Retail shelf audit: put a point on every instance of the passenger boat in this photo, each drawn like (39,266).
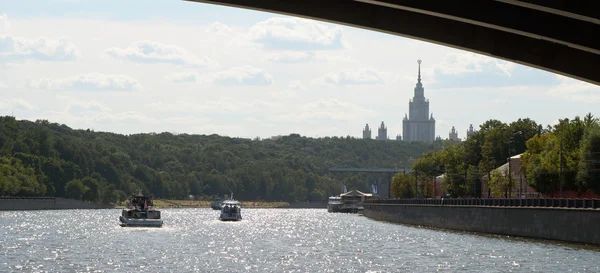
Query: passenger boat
(216,203)
(231,210)
(334,204)
(139,212)
(349,202)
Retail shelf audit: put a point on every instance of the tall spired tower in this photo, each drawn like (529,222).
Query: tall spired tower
(367,132)
(419,125)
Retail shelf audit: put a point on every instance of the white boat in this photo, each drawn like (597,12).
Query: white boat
(335,204)
(349,202)
(231,210)
(139,212)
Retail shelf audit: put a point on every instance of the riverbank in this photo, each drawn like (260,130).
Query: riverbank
(560,224)
(165,203)
(46,203)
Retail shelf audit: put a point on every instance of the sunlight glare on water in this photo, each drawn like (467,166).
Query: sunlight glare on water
(266,240)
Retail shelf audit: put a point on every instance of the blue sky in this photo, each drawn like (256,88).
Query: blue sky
(153,66)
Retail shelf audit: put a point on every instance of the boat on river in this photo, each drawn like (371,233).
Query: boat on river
(231,210)
(334,204)
(349,202)
(139,212)
(216,203)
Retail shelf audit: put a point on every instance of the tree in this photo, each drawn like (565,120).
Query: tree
(588,174)
(75,189)
(500,184)
(402,186)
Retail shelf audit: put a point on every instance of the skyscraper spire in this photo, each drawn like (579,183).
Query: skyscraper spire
(419,62)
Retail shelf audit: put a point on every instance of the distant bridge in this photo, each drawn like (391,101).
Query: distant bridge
(367,170)
(381,171)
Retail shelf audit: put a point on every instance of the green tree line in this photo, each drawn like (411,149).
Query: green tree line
(566,154)
(49,159)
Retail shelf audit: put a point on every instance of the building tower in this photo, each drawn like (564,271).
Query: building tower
(454,135)
(470,131)
(419,125)
(382,132)
(367,132)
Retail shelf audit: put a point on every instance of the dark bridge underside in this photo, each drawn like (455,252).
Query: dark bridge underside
(559,36)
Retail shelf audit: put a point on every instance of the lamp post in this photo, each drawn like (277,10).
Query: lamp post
(508,159)
(561,168)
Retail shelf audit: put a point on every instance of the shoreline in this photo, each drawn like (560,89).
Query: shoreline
(165,203)
(53,203)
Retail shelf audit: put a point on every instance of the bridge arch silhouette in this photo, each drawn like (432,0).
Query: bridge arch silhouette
(558,36)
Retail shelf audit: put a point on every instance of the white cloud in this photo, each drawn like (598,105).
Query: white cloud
(86,107)
(123,117)
(89,82)
(42,49)
(306,56)
(10,104)
(292,57)
(291,91)
(243,75)
(575,90)
(4,24)
(363,76)
(100,121)
(224,105)
(153,52)
(296,34)
(219,28)
(466,62)
(183,77)
(327,109)
(3,85)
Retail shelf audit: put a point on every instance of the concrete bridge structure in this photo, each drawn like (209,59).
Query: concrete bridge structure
(388,173)
(553,35)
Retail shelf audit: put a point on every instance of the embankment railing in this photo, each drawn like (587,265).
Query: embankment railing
(489,202)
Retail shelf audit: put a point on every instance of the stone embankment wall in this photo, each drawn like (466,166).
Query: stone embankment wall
(563,224)
(46,204)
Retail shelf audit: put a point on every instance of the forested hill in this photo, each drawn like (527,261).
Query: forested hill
(48,159)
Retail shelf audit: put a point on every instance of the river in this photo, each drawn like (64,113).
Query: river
(267,240)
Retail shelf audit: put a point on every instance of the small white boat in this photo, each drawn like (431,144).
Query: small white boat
(231,210)
(335,204)
(139,212)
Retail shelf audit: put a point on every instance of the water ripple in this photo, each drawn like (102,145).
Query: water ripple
(267,240)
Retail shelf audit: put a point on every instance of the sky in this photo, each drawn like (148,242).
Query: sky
(183,67)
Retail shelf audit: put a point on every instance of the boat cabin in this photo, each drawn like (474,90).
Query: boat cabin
(356,197)
(231,211)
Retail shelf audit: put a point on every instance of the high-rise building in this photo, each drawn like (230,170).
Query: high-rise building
(382,132)
(419,125)
(470,131)
(367,132)
(453,135)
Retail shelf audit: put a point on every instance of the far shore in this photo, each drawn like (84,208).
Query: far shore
(164,203)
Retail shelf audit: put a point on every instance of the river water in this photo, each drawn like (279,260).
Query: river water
(267,240)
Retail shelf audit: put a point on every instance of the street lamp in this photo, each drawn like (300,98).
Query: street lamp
(508,159)
(561,168)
